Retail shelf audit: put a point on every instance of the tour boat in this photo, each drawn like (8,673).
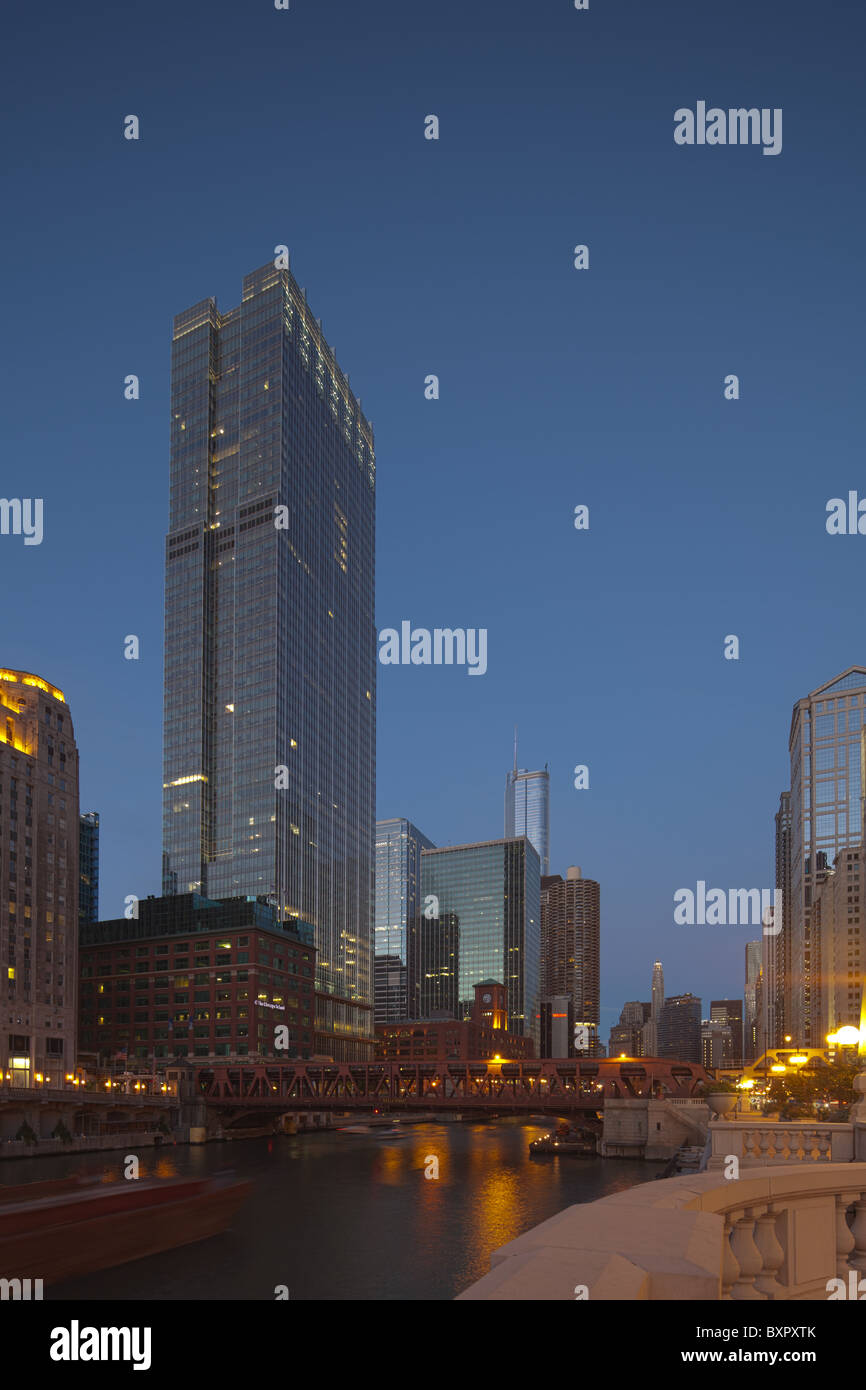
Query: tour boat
(58,1230)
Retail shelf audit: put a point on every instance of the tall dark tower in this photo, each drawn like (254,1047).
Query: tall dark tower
(270,639)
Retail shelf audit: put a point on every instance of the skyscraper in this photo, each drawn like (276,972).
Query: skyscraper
(570,944)
(39,918)
(826,813)
(88,867)
(679,1028)
(753,1024)
(527,809)
(486,898)
(398,902)
(270,640)
(776,942)
(728,1013)
(650,1031)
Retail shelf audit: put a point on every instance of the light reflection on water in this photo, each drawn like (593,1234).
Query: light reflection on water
(350,1216)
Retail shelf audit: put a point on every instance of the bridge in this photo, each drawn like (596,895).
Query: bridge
(525,1087)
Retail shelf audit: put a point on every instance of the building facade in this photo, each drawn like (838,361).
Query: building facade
(776,949)
(728,1013)
(481,1037)
(679,1028)
(270,639)
(398,902)
(753,1031)
(838,919)
(38,881)
(650,1031)
(527,809)
(486,925)
(571,944)
(826,817)
(88,866)
(198,979)
(627,1036)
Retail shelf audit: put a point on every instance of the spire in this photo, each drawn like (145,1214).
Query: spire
(515,748)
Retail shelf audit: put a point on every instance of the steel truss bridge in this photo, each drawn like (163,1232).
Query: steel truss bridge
(554,1087)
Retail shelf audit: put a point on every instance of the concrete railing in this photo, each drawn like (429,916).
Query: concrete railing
(760,1142)
(775,1234)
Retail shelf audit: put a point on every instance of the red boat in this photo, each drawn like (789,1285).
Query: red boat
(58,1230)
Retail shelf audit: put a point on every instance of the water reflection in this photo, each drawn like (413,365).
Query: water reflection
(349,1216)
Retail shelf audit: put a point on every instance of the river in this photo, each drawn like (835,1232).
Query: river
(335,1216)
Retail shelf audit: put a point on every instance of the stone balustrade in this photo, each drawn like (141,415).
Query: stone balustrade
(775,1233)
(755,1142)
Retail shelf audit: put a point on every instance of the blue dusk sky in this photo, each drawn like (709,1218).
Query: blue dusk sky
(559,387)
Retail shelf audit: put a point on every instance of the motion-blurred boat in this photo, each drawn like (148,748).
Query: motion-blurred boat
(59,1230)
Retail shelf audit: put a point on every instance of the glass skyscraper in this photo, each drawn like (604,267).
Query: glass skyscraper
(825,817)
(527,809)
(487,900)
(398,886)
(88,867)
(270,639)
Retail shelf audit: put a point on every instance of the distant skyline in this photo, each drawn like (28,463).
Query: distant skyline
(557,388)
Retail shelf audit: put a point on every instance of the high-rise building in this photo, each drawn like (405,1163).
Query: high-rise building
(728,1013)
(826,817)
(398,886)
(650,1031)
(570,944)
(270,638)
(679,1028)
(776,936)
(556,1027)
(39,892)
(627,1036)
(487,925)
(433,970)
(753,1031)
(838,916)
(88,866)
(717,1045)
(527,809)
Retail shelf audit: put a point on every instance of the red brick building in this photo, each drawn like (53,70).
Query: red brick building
(196,978)
(480,1038)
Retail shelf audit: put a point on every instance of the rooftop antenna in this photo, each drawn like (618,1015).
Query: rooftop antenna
(515,748)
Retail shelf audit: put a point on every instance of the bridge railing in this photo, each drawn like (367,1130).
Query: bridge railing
(756,1142)
(783,1233)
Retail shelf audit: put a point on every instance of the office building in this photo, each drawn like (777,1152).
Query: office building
(527,809)
(837,918)
(826,817)
(728,1013)
(270,637)
(570,948)
(650,1031)
(627,1036)
(38,881)
(776,936)
(753,1031)
(197,979)
(487,926)
(556,1027)
(398,886)
(679,1028)
(88,866)
(717,1045)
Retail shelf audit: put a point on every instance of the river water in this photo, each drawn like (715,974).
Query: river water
(335,1216)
